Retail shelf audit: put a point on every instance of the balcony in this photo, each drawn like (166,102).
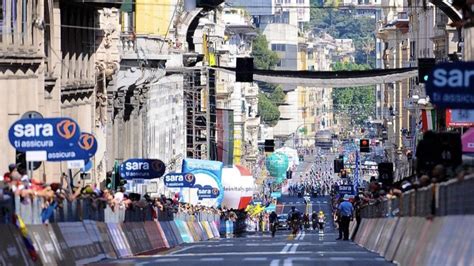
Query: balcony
(251,91)
(21,38)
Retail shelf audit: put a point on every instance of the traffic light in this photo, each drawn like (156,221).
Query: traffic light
(386,173)
(122,182)
(244,70)
(108,180)
(364,145)
(338,165)
(289,174)
(424,68)
(269,145)
(21,162)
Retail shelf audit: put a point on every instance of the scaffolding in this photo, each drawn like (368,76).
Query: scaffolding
(200,101)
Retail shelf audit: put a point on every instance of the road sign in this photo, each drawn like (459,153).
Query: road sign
(84,149)
(207,192)
(76,164)
(451,85)
(346,189)
(47,134)
(142,168)
(179,180)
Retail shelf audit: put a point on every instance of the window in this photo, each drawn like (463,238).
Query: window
(278,47)
(12,13)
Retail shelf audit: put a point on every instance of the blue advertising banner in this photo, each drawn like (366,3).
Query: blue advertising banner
(44,134)
(451,85)
(142,168)
(206,173)
(84,149)
(346,189)
(214,167)
(207,192)
(179,180)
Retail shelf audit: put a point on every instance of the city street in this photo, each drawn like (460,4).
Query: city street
(308,248)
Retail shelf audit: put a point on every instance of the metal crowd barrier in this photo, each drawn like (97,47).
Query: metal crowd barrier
(449,198)
(31,209)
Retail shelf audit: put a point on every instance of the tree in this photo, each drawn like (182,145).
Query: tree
(344,24)
(268,105)
(267,110)
(355,103)
(263,57)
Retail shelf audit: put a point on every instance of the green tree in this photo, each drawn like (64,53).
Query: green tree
(356,103)
(268,105)
(344,24)
(267,110)
(263,57)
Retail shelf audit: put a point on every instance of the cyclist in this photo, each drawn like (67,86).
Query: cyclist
(294,219)
(314,220)
(321,220)
(273,219)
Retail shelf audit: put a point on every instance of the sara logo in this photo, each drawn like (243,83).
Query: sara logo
(215,191)
(66,128)
(86,141)
(58,134)
(142,168)
(189,178)
(157,165)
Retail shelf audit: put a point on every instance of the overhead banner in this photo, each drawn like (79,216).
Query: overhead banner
(44,134)
(179,180)
(142,169)
(451,85)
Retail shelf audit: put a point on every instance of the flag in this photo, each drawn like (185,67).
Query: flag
(428,119)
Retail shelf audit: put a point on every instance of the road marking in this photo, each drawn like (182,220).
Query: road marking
(286,248)
(302,235)
(275,263)
(212,259)
(255,259)
(167,260)
(289,261)
(342,259)
(293,249)
(184,249)
(125,261)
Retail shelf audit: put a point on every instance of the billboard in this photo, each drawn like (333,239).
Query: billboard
(206,173)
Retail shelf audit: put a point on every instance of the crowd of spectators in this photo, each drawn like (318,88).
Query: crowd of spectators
(16,182)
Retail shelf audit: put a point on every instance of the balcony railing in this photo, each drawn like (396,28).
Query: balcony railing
(20,34)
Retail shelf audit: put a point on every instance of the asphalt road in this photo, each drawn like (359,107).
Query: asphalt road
(308,248)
